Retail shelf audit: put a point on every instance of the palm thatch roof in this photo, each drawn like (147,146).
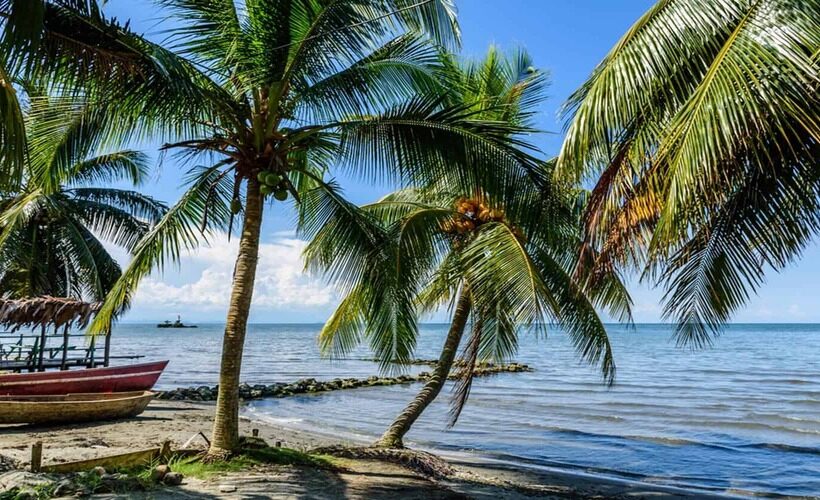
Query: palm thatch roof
(46,312)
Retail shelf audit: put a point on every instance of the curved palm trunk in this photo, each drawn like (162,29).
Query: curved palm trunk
(225,436)
(392,438)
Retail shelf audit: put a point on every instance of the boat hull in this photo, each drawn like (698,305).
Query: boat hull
(72,408)
(139,377)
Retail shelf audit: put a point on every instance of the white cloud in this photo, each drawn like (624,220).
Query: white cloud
(280,281)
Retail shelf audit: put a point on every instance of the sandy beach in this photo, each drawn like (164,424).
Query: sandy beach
(179,421)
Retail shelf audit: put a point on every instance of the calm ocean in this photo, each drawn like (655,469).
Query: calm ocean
(742,415)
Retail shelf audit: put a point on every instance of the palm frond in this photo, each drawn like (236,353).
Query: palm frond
(131,202)
(12,134)
(424,144)
(464,376)
(342,332)
(402,68)
(179,229)
(131,166)
(697,100)
(110,222)
(715,272)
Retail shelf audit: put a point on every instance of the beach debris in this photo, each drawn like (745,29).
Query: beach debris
(112,483)
(422,462)
(18,480)
(227,488)
(172,479)
(159,472)
(8,463)
(312,385)
(64,488)
(253,443)
(191,439)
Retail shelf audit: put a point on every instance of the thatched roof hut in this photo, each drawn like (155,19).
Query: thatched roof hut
(45,312)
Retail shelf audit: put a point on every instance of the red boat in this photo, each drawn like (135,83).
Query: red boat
(140,377)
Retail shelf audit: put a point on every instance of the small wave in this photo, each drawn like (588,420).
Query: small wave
(759,425)
(268,418)
(785,418)
(783,447)
(605,418)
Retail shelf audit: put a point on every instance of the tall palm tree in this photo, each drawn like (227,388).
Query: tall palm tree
(51,228)
(504,270)
(267,97)
(701,130)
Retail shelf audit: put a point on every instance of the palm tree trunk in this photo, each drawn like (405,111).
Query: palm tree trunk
(392,438)
(225,436)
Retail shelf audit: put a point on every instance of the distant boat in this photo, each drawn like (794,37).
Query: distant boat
(176,324)
(138,377)
(70,408)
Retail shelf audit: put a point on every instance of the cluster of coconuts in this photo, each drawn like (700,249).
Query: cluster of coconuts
(474,213)
(272,183)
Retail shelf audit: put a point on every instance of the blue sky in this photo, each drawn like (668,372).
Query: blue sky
(566,38)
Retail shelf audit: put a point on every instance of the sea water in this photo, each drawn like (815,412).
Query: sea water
(742,415)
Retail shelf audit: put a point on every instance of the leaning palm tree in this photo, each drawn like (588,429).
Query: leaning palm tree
(498,258)
(701,131)
(501,272)
(52,226)
(266,98)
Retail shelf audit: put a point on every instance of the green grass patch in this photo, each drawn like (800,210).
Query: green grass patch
(39,491)
(248,458)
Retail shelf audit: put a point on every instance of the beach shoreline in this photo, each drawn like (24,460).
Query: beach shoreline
(475,477)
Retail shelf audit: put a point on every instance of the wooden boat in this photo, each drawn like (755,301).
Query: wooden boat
(70,408)
(138,377)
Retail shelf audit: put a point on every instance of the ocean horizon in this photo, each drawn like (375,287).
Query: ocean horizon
(741,416)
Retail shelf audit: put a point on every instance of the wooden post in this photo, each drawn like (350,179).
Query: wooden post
(36,456)
(65,348)
(31,357)
(91,350)
(165,451)
(42,347)
(107,345)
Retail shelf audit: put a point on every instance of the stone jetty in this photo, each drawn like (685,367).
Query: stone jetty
(311,385)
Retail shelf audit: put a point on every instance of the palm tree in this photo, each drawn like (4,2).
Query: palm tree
(503,270)
(50,229)
(438,248)
(267,97)
(701,127)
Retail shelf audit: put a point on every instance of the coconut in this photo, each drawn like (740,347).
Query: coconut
(272,179)
(236,206)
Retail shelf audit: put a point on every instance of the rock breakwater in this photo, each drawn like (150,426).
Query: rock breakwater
(312,385)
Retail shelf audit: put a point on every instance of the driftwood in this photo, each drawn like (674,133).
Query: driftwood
(130,459)
(422,462)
